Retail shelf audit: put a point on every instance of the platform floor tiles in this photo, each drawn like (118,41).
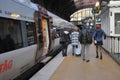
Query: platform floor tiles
(74,68)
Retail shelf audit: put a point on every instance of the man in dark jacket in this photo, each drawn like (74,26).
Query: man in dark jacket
(64,41)
(85,39)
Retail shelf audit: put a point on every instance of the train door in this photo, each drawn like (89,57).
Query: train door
(45,35)
(39,36)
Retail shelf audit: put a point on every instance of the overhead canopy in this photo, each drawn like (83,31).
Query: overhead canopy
(64,8)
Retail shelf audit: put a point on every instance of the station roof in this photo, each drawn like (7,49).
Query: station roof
(64,8)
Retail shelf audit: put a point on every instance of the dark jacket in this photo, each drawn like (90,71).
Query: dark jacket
(64,39)
(85,36)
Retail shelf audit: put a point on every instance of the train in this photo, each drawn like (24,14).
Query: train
(28,33)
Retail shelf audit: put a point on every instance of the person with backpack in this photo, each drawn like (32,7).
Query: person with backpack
(74,40)
(64,41)
(98,39)
(85,39)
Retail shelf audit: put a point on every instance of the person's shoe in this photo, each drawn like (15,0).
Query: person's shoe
(97,56)
(100,57)
(73,54)
(88,61)
(83,59)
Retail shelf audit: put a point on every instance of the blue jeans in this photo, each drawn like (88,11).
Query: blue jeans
(73,49)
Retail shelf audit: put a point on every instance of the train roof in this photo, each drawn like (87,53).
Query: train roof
(25,10)
(57,21)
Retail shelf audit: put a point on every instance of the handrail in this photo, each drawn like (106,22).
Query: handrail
(113,36)
(112,45)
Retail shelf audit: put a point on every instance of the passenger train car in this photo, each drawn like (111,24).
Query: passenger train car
(27,35)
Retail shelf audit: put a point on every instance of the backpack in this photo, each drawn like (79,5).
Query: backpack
(83,37)
(62,39)
(86,36)
(89,36)
(67,37)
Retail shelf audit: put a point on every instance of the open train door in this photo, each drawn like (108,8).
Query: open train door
(43,34)
(45,29)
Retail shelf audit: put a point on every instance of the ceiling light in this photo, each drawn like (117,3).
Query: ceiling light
(15,15)
(97,4)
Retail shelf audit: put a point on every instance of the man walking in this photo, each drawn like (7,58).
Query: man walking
(64,41)
(85,39)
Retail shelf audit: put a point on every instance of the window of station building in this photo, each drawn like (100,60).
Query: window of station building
(76,17)
(117,23)
(10,34)
(30,28)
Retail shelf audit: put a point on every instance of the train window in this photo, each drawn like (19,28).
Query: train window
(117,23)
(10,34)
(30,28)
(55,32)
(39,30)
(16,34)
(56,35)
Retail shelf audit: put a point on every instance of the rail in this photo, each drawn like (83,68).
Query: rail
(112,46)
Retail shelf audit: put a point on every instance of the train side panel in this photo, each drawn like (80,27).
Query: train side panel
(15,62)
(33,39)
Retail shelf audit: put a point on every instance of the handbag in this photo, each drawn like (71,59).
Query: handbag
(95,42)
(78,51)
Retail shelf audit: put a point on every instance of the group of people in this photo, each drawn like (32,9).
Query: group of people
(7,44)
(86,37)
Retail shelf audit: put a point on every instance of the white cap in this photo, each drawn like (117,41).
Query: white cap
(98,22)
(66,32)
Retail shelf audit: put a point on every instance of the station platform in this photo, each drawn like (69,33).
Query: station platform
(74,68)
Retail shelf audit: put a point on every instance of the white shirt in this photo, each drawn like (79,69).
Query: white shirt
(74,38)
